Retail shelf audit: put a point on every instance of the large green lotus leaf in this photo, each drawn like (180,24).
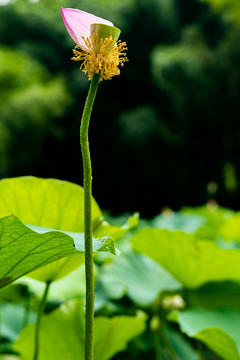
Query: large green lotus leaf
(138,276)
(24,250)
(48,203)
(192,261)
(61,268)
(111,335)
(219,330)
(54,204)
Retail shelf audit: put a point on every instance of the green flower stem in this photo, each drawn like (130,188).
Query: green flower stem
(88,217)
(39,316)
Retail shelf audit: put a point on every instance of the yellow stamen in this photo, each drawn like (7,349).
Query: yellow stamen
(102,56)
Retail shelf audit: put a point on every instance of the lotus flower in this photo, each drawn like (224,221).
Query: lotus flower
(97,46)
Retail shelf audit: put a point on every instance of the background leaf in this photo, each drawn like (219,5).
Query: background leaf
(181,346)
(138,276)
(113,334)
(67,322)
(48,203)
(217,329)
(13,319)
(191,261)
(188,223)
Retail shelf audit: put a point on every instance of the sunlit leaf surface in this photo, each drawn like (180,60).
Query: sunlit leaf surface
(45,206)
(192,261)
(67,322)
(23,250)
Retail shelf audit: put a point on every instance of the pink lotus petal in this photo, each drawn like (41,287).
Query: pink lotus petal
(78,24)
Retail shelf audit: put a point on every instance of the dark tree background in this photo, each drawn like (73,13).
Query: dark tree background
(164,133)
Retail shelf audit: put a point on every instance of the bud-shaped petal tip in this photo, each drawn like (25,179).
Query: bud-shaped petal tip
(78,24)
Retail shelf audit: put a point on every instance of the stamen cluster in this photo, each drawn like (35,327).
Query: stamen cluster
(102,56)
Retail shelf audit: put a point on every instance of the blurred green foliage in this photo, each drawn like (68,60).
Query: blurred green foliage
(172,294)
(164,133)
(31,102)
(231,9)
